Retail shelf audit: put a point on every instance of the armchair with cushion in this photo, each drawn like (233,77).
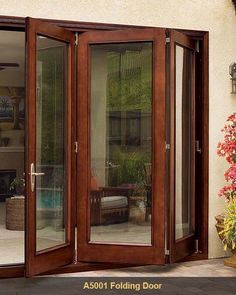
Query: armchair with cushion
(109,205)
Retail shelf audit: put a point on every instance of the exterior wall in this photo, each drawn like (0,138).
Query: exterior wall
(216,16)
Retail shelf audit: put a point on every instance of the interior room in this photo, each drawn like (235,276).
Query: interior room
(12,131)
(50,147)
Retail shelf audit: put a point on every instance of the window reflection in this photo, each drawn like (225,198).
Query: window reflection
(121,115)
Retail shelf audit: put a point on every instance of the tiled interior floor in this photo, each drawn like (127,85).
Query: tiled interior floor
(11,241)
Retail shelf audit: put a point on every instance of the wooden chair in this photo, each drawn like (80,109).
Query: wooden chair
(109,205)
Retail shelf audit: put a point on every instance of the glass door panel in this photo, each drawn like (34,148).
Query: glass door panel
(121,158)
(49,210)
(182,142)
(51,143)
(121,143)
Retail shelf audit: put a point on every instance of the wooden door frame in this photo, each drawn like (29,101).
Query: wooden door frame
(202,93)
(118,252)
(185,245)
(46,259)
(202,134)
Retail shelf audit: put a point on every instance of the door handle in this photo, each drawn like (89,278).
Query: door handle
(38,174)
(33,174)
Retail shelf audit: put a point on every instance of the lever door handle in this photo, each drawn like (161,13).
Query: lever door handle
(38,173)
(33,174)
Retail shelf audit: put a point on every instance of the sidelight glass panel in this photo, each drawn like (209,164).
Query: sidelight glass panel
(183,143)
(121,143)
(51,134)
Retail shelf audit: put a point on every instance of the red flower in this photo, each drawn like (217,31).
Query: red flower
(227,149)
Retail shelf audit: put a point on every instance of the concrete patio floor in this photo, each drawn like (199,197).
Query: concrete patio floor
(201,268)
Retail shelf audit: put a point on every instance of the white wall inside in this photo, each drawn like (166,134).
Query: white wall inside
(216,16)
(12,49)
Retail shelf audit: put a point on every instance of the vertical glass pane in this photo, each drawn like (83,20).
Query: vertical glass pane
(183,144)
(51,133)
(121,143)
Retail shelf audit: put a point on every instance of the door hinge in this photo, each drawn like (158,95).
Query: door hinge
(197,44)
(167,146)
(167,40)
(76,147)
(76,39)
(197,247)
(167,252)
(197,147)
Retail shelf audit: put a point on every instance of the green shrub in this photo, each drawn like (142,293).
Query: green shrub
(229,231)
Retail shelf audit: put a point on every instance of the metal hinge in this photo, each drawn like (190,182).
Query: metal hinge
(76,147)
(197,45)
(167,146)
(197,147)
(167,252)
(76,39)
(197,247)
(167,40)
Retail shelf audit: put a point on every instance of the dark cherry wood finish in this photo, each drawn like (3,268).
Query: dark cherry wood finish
(137,254)
(185,246)
(234,2)
(38,262)
(202,132)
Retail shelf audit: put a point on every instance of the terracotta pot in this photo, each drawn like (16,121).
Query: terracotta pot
(220,225)
(231,261)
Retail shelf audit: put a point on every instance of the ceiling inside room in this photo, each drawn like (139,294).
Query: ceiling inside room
(12,50)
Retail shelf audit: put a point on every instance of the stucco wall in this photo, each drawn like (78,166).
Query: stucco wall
(216,16)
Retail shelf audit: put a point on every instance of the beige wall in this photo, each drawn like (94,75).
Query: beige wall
(216,16)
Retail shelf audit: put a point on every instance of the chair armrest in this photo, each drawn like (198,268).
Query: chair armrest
(115,191)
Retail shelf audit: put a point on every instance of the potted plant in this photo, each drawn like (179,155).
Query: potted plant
(227,149)
(15,206)
(129,167)
(17,186)
(137,204)
(229,231)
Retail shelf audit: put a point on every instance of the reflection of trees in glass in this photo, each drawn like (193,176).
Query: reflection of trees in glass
(129,167)
(129,93)
(129,85)
(53,106)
